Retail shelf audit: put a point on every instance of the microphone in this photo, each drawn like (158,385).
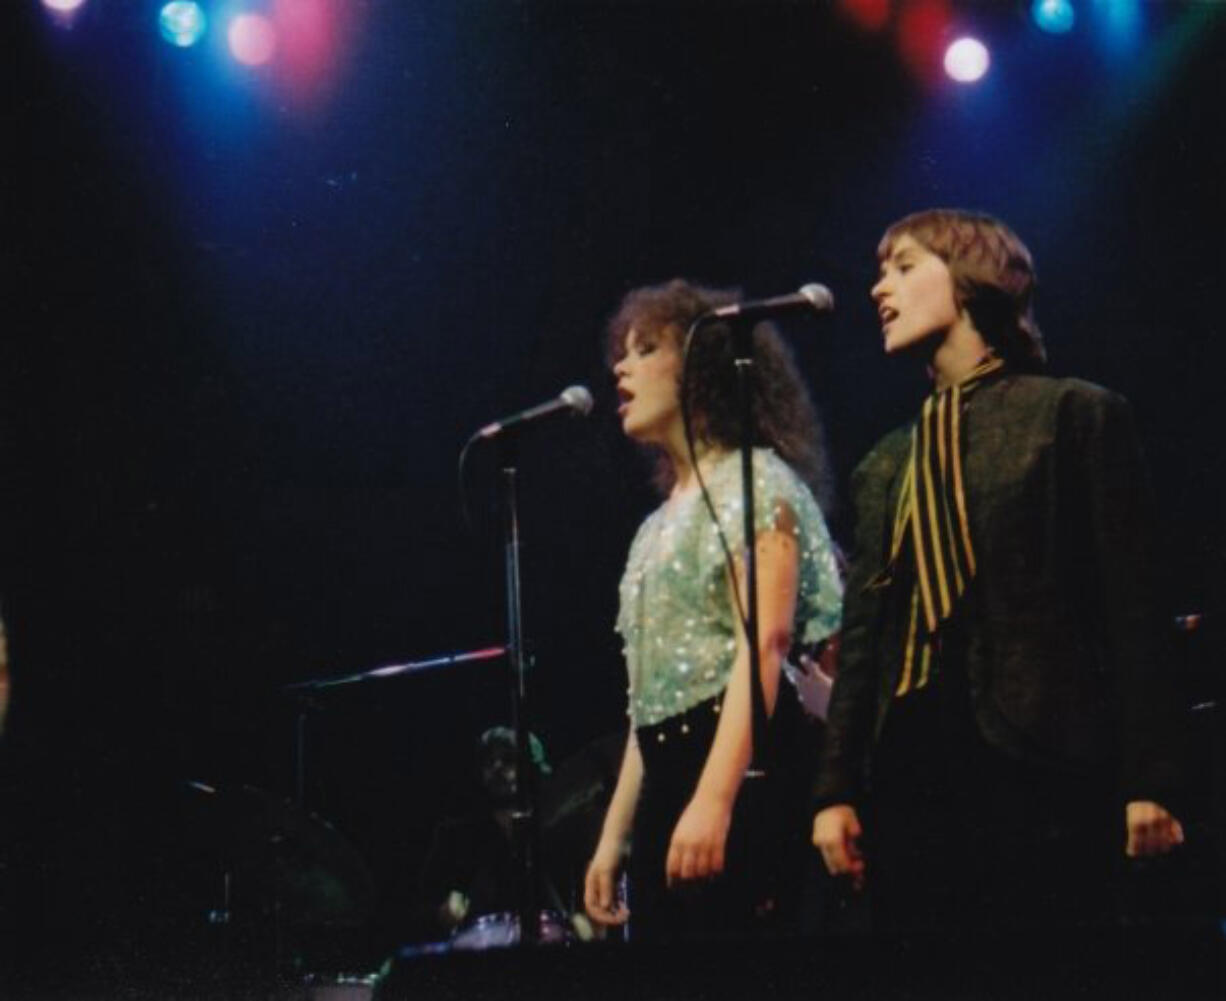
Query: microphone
(812,297)
(573,399)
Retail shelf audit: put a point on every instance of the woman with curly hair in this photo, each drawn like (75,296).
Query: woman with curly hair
(703,859)
(1004,716)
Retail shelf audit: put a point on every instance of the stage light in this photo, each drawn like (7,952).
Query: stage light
(871,15)
(253,39)
(1053,16)
(182,23)
(64,6)
(922,27)
(967,60)
(1119,23)
(308,40)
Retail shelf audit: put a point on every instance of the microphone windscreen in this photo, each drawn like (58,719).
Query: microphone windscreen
(821,297)
(579,399)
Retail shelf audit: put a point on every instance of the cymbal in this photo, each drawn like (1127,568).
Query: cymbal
(299,861)
(573,799)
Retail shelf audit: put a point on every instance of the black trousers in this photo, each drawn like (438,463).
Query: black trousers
(760,892)
(960,836)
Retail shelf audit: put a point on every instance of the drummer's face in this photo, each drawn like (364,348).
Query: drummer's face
(648,376)
(498,773)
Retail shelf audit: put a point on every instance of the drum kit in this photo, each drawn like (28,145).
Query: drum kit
(311,875)
(292,873)
(277,858)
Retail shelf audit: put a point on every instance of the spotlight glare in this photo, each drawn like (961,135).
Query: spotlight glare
(182,23)
(64,7)
(922,27)
(1053,16)
(253,39)
(871,15)
(1119,23)
(967,60)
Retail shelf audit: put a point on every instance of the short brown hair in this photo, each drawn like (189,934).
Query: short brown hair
(993,273)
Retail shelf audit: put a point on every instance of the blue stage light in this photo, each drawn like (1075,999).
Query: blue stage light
(182,23)
(1054,16)
(1119,23)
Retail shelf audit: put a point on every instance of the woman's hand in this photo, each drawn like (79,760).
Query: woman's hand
(836,834)
(600,886)
(697,848)
(1151,829)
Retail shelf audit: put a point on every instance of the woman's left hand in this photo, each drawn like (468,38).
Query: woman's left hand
(697,848)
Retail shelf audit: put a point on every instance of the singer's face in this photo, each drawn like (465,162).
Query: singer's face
(647,384)
(914,296)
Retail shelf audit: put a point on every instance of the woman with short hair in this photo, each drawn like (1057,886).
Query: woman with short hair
(1004,715)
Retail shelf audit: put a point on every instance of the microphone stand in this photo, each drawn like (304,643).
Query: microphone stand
(303,707)
(394,670)
(741,329)
(743,355)
(523,818)
(741,319)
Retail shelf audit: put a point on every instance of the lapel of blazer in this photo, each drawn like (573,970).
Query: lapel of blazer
(901,457)
(995,447)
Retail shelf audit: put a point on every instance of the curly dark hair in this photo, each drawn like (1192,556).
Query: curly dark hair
(784,415)
(993,273)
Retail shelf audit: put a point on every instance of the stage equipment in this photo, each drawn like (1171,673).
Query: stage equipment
(182,23)
(811,297)
(523,817)
(572,400)
(740,319)
(1058,963)
(1054,16)
(253,39)
(967,60)
(394,670)
(871,15)
(278,859)
(498,931)
(572,806)
(302,690)
(64,8)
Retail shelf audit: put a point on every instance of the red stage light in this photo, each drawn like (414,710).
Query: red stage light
(871,15)
(310,33)
(922,28)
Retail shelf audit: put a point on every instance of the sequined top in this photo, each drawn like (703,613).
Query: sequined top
(677,620)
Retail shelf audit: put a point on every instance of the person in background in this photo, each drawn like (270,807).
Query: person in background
(471,870)
(713,851)
(1004,720)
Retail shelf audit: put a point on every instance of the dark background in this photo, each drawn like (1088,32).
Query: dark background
(252,322)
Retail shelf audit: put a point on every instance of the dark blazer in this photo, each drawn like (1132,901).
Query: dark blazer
(1065,646)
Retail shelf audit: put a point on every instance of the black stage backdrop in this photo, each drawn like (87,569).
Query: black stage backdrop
(252,321)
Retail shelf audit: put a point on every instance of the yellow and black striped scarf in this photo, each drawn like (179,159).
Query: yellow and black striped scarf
(931,517)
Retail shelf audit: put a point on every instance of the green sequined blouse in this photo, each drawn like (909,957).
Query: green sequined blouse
(676,619)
